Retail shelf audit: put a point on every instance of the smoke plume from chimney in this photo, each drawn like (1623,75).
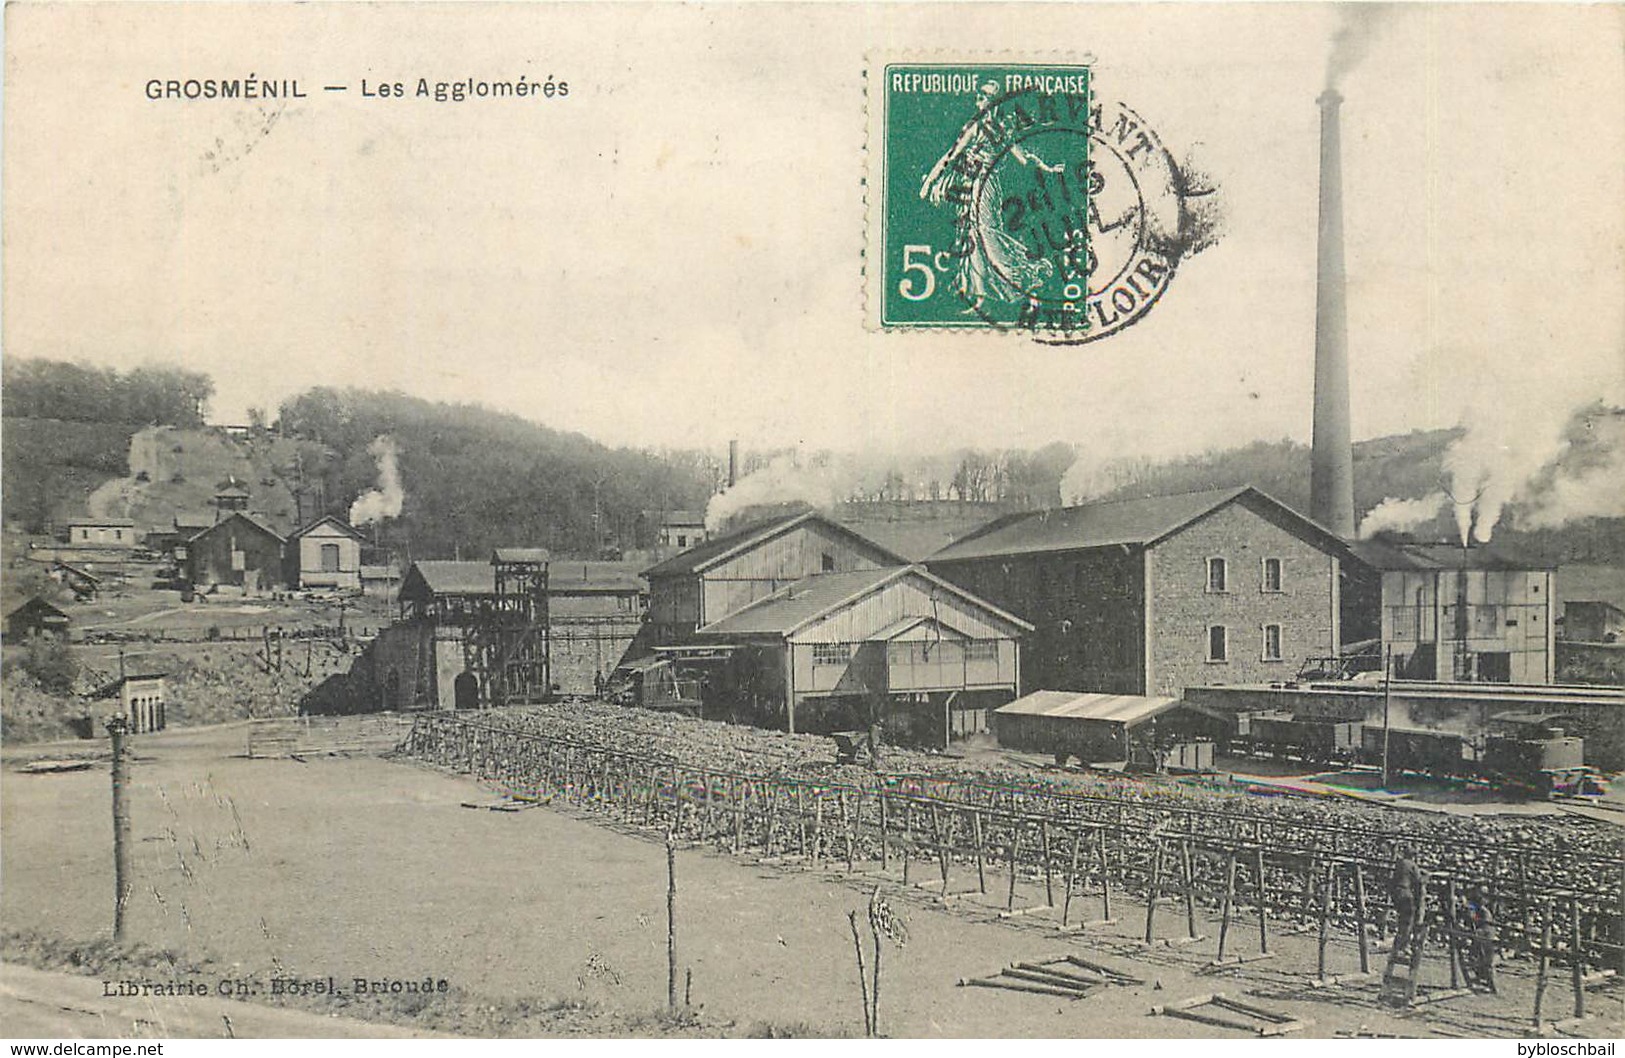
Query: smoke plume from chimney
(384,501)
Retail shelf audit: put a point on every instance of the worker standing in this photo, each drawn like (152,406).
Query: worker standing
(1406,891)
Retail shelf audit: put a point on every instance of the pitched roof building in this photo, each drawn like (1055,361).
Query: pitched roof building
(1149,596)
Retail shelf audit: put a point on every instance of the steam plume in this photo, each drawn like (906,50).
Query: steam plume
(784,479)
(384,501)
(1398,515)
(1352,39)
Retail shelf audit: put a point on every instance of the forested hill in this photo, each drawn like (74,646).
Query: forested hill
(1403,466)
(474,479)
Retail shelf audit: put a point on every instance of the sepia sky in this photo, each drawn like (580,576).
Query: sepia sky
(671,255)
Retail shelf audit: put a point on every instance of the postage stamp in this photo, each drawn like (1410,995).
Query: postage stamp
(1008,197)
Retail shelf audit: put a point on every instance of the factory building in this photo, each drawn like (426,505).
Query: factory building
(833,650)
(705,584)
(1451,613)
(1150,596)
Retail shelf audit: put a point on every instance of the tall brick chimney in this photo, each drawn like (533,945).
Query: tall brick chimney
(1331,468)
(733,463)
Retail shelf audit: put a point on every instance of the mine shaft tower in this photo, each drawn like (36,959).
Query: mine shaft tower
(506,644)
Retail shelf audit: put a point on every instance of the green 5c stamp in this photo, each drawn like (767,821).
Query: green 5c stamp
(979,211)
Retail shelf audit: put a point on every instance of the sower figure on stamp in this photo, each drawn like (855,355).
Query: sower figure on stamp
(1405,889)
(996,264)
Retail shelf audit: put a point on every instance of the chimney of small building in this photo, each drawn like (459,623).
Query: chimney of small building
(733,463)
(1331,470)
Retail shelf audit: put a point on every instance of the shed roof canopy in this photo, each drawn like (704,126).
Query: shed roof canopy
(1129,709)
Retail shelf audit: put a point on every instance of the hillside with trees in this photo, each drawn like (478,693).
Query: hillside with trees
(475,479)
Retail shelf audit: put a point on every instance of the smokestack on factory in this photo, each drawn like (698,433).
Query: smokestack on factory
(1331,476)
(733,463)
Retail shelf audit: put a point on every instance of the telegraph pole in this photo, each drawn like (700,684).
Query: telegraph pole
(1387,701)
(117,726)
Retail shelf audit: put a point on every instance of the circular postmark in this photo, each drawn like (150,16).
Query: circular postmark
(1075,220)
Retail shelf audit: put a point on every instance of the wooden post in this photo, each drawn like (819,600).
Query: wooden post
(671,922)
(1360,918)
(736,791)
(1575,960)
(1545,958)
(942,851)
(1049,874)
(1325,917)
(863,980)
(1452,932)
(1105,876)
(1071,873)
(1229,901)
(1188,871)
(1263,921)
(976,839)
(1015,848)
(885,831)
(908,836)
(846,827)
(818,831)
(1151,894)
(773,794)
(122,878)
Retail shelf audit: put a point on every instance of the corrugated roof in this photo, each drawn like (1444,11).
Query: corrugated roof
(575,578)
(530,555)
(699,556)
(1127,709)
(800,602)
(457,578)
(697,559)
(1136,521)
(1395,555)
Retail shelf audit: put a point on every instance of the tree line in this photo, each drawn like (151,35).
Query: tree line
(55,389)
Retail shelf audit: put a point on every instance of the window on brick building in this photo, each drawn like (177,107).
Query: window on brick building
(1218,646)
(1272,642)
(1272,574)
(1217,577)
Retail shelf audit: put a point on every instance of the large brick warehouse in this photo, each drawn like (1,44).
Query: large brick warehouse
(1150,596)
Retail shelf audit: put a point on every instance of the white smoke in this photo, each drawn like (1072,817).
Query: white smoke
(786,478)
(1520,459)
(1357,27)
(1581,488)
(385,501)
(1400,515)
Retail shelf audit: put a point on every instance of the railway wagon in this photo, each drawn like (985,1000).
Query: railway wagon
(1307,738)
(1438,753)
